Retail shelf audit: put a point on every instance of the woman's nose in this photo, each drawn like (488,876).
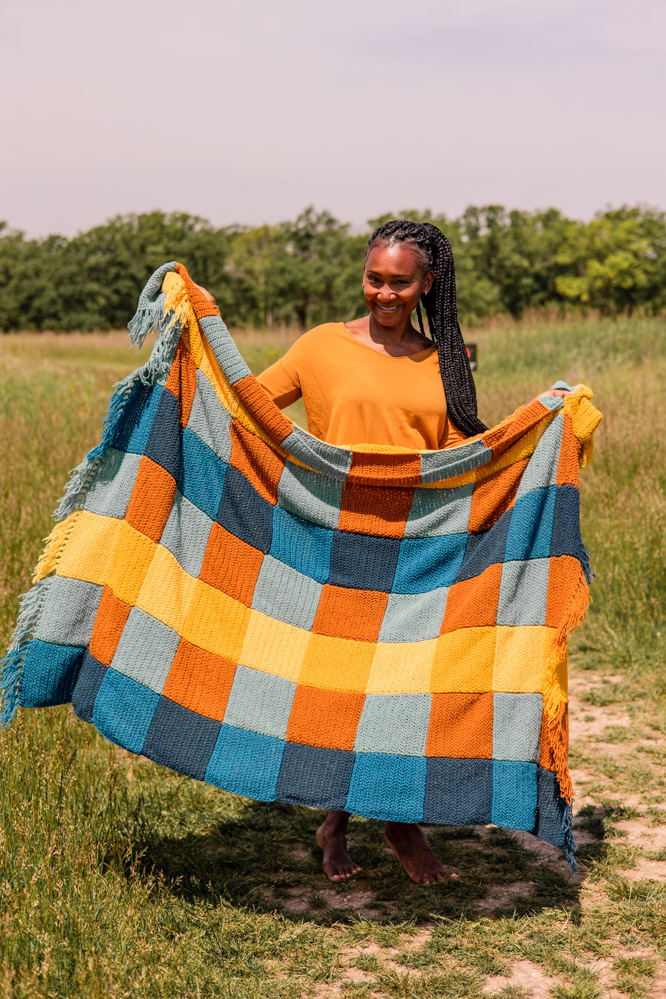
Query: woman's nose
(386,294)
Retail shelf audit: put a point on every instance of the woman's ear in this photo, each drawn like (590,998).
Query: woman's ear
(427,283)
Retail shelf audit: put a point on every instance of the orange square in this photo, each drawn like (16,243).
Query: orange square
(472,603)
(110,620)
(568,473)
(231,565)
(401,468)
(200,680)
(495,495)
(564,577)
(256,400)
(373,510)
(325,718)
(182,381)
(347,613)
(256,460)
(546,756)
(151,499)
(461,726)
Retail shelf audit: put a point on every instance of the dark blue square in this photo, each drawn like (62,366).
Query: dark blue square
(458,792)
(363,562)
(428,563)
(553,815)
(87,686)
(181,739)
(202,474)
(244,513)
(566,538)
(316,777)
(531,525)
(485,549)
(137,418)
(163,444)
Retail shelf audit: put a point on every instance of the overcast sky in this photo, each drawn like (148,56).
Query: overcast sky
(249,111)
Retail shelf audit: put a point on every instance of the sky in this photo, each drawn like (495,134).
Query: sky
(247,112)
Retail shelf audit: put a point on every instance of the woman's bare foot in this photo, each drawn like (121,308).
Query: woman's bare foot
(411,848)
(337,864)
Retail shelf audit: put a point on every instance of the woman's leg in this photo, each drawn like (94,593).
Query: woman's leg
(331,836)
(410,846)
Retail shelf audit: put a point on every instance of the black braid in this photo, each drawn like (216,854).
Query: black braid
(436,255)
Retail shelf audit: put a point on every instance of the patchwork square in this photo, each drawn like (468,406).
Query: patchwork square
(150,503)
(108,627)
(514,795)
(543,464)
(325,718)
(301,545)
(566,539)
(209,421)
(283,593)
(523,596)
(244,512)
(531,526)
(494,495)
(112,485)
(246,763)
(362,513)
(464,661)
(360,561)
(522,652)
(69,611)
(145,650)
(202,475)
(439,511)
(259,702)
(347,613)
(484,550)
(472,603)
(256,461)
(428,564)
(180,739)
(310,495)
(231,565)
(137,418)
(124,710)
(461,725)
(413,617)
(86,688)
(49,673)
(336,663)
(313,776)
(458,792)
(186,534)
(274,647)
(200,680)
(374,773)
(401,667)
(396,724)
(163,444)
(517,726)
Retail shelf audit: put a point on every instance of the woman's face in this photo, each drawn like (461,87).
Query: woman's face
(393,282)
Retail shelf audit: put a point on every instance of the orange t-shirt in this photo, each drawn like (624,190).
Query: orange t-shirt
(355,395)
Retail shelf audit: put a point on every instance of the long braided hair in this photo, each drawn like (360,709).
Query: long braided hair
(435,254)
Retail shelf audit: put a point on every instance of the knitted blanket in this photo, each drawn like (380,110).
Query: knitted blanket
(364,628)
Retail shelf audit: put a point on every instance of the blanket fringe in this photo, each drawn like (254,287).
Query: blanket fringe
(11,666)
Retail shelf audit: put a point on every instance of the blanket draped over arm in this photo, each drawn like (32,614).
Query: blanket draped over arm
(366,628)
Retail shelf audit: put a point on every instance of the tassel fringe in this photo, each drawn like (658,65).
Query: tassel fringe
(11,667)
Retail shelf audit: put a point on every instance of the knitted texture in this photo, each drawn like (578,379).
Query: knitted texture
(367,628)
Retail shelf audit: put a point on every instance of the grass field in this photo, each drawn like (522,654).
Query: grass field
(121,879)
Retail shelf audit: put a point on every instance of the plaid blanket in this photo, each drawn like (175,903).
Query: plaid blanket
(364,628)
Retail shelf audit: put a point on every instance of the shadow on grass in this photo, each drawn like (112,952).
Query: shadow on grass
(266,859)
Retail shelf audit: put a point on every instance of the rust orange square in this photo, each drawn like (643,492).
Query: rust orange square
(151,499)
(461,726)
(371,510)
(495,495)
(325,718)
(110,620)
(564,574)
(200,680)
(348,613)
(263,409)
(568,468)
(472,603)
(546,756)
(402,468)
(256,460)
(182,381)
(230,565)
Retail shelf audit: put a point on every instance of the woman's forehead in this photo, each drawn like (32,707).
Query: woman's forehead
(396,258)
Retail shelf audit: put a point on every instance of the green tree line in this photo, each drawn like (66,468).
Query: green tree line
(308,271)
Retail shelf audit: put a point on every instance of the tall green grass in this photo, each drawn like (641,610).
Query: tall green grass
(121,879)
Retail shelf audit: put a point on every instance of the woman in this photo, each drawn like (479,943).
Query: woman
(381,380)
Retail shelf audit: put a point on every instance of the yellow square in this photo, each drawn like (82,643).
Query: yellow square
(89,548)
(402,667)
(216,622)
(129,562)
(274,646)
(167,590)
(337,663)
(463,661)
(520,660)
